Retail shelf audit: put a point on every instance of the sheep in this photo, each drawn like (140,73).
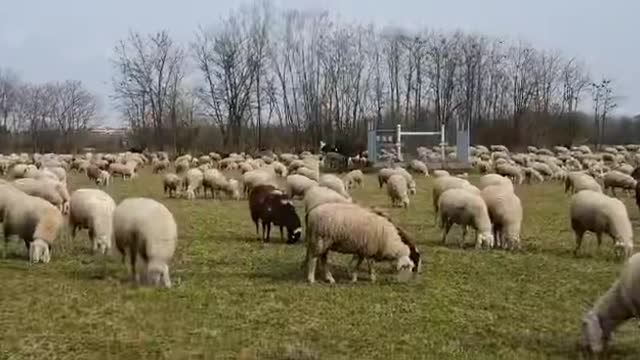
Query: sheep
(232,189)
(126,171)
(297,185)
(311,174)
(146,228)
(158,165)
(213,180)
(269,205)
(494,179)
(59,172)
(576,182)
(443,184)
(384,174)
(35,221)
(52,191)
(193,183)
(532,174)
(318,195)
(279,169)
(397,190)
(615,179)
(92,209)
(598,213)
(335,183)
(613,308)
(352,229)
(510,171)
(419,167)
(460,206)
(258,177)
(353,178)
(505,213)
(104,178)
(171,183)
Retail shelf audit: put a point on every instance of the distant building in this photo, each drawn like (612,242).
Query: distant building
(108,131)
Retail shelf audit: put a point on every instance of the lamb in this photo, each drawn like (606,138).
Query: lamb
(505,212)
(104,178)
(419,167)
(613,308)
(460,206)
(146,228)
(35,221)
(193,182)
(92,209)
(171,183)
(269,205)
(334,183)
(297,185)
(353,178)
(616,179)
(52,191)
(397,190)
(598,213)
(352,229)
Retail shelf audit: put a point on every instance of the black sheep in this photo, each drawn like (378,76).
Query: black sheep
(270,205)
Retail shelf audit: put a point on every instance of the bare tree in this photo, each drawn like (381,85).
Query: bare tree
(603,103)
(73,109)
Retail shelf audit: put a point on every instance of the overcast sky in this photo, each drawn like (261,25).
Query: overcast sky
(72,39)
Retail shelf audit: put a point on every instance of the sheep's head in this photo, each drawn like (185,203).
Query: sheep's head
(158,274)
(593,339)
(623,249)
(404,263)
(485,239)
(39,251)
(291,220)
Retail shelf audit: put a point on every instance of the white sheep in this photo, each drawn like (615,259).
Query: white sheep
(311,174)
(92,209)
(598,213)
(419,167)
(616,179)
(494,179)
(193,182)
(440,173)
(353,178)
(171,183)
(146,228)
(51,190)
(104,178)
(533,174)
(510,171)
(614,307)
(576,182)
(397,189)
(505,212)
(442,184)
(254,178)
(335,183)
(352,229)
(460,206)
(318,195)
(297,185)
(35,221)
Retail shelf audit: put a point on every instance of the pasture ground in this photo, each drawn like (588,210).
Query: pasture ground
(236,298)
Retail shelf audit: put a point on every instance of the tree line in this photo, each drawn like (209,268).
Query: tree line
(268,77)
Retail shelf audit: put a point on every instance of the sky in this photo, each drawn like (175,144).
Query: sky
(47,40)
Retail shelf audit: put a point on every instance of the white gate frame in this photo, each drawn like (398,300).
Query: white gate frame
(400,134)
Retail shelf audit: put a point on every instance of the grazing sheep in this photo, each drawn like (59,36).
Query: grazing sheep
(171,183)
(213,180)
(318,195)
(334,183)
(576,182)
(279,168)
(505,212)
(615,179)
(419,167)
(92,209)
(494,179)
(193,183)
(158,165)
(384,174)
(613,308)
(104,178)
(297,185)
(352,229)
(93,172)
(510,171)
(398,190)
(442,184)
(531,174)
(311,174)
(269,205)
(353,178)
(127,171)
(258,177)
(460,206)
(598,213)
(35,221)
(440,173)
(52,191)
(146,228)
(232,189)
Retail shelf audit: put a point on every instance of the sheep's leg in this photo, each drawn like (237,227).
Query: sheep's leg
(268,231)
(325,268)
(354,273)
(281,234)
(447,226)
(372,272)
(599,239)
(132,261)
(579,236)
(464,235)
(257,231)
(311,268)
(73,232)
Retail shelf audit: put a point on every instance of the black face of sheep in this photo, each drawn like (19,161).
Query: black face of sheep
(269,205)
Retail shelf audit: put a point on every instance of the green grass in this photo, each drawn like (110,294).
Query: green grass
(234,297)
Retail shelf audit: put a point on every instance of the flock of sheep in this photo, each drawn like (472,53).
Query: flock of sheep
(36,199)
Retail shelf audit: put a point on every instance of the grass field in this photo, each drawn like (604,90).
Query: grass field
(235,298)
